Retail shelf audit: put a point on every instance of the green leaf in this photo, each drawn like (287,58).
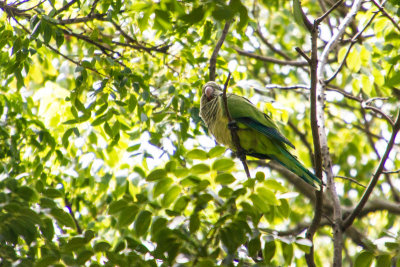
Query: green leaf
(53,193)
(393,80)
(254,246)
(195,16)
(200,169)
(102,246)
(364,259)
(117,206)
(65,137)
(287,251)
(222,13)
(47,229)
(284,208)
(216,151)
(75,243)
(132,103)
(223,164)
(84,256)
(267,195)
(16,45)
(194,223)
(197,154)
(181,203)
(170,196)
(27,193)
(162,186)
(260,176)
(46,32)
(59,38)
(156,175)
(304,244)
(63,218)
(157,226)
(298,13)
(259,203)
(274,185)
(127,215)
(383,260)
(142,222)
(367,85)
(225,178)
(353,60)
(269,250)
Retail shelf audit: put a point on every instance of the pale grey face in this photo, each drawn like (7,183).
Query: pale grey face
(209,101)
(211,90)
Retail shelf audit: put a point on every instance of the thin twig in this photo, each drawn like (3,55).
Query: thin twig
(350,219)
(233,127)
(271,59)
(383,11)
(323,7)
(304,55)
(353,41)
(90,17)
(57,51)
(377,110)
(70,211)
(213,59)
(270,46)
(287,87)
(391,172)
(320,19)
(65,7)
(349,179)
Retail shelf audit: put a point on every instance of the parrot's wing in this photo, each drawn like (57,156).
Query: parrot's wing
(242,110)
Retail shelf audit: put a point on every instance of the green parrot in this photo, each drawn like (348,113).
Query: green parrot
(258,134)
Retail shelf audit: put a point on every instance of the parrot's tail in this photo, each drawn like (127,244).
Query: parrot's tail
(289,161)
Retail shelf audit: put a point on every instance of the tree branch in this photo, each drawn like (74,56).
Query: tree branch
(233,128)
(357,210)
(383,11)
(337,210)
(65,7)
(349,179)
(213,59)
(320,19)
(270,46)
(272,60)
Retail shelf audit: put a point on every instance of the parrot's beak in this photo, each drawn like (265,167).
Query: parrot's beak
(209,92)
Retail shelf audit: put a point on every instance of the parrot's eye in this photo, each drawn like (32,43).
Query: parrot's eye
(209,92)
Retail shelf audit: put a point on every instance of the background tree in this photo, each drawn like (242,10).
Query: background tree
(104,160)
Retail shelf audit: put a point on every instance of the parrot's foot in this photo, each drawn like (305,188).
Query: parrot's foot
(232,125)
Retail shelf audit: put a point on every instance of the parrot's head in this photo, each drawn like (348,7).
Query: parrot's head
(211,90)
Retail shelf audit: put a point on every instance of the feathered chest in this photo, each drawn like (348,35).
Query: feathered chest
(216,121)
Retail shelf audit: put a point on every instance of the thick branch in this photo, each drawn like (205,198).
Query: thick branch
(213,59)
(337,209)
(357,210)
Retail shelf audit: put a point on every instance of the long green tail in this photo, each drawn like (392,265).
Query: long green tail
(290,162)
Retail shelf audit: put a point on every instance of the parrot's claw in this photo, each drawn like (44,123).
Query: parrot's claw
(232,125)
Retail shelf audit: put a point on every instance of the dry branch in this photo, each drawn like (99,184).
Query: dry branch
(357,210)
(213,59)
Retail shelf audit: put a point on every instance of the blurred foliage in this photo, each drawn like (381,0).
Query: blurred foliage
(105,161)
